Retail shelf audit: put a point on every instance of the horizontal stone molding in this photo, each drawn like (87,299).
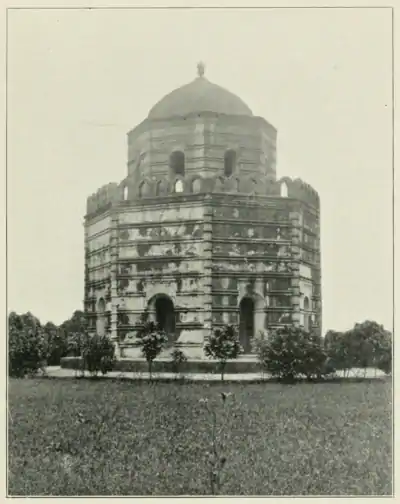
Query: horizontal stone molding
(237,239)
(266,309)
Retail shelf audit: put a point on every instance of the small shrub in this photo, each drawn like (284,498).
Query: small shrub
(292,352)
(222,345)
(77,342)
(178,358)
(27,345)
(328,368)
(99,355)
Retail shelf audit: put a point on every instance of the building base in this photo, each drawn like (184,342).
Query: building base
(244,364)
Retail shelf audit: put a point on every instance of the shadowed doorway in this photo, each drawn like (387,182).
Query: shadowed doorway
(163,311)
(246,323)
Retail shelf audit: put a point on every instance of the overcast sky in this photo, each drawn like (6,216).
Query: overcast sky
(79,80)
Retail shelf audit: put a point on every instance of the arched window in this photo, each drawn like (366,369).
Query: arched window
(306,304)
(177,163)
(125,193)
(196,185)
(178,186)
(229,162)
(145,189)
(158,188)
(284,190)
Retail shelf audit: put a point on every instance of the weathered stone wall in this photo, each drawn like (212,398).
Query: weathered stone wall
(252,256)
(161,252)
(98,233)
(310,273)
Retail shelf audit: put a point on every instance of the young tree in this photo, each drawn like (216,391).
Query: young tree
(223,344)
(152,339)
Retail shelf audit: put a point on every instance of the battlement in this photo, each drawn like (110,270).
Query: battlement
(147,187)
(103,197)
(298,189)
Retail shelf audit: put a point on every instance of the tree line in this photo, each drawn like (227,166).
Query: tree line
(33,346)
(287,352)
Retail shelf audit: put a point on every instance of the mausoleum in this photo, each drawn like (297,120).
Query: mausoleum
(201,232)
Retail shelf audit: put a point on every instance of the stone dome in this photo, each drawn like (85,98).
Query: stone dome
(200,95)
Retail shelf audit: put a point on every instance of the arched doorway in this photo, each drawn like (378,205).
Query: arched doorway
(101,317)
(251,320)
(162,311)
(246,324)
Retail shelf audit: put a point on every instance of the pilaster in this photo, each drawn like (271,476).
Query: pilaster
(207,268)
(86,273)
(114,274)
(295,281)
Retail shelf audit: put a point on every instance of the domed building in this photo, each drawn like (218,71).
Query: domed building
(201,233)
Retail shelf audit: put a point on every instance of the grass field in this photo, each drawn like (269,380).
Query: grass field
(81,437)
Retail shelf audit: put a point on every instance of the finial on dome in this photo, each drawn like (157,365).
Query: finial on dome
(200,69)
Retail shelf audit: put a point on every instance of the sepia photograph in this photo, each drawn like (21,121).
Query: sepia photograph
(200,251)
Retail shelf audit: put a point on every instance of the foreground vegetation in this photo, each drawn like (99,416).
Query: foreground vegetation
(78,437)
(288,353)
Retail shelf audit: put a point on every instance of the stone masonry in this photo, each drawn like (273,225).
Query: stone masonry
(201,233)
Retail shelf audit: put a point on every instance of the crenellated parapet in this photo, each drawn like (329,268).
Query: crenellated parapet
(152,187)
(102,198)
(300,190)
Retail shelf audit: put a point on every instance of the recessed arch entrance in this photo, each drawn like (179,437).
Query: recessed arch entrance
(162,310)
(251,320)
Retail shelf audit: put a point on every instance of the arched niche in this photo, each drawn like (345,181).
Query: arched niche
(162,311)
(284,190)
(229,162)
(251,319)
(144,189)
(177,163)
(179,186)
(197,185)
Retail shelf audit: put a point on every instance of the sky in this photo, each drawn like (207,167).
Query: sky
(79,80)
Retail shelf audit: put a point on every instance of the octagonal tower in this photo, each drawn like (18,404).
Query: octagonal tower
(201,233)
